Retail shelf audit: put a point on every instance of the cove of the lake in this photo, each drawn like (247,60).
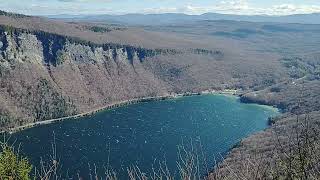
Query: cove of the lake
(145,134)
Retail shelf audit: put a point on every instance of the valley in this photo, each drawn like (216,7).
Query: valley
(56,68)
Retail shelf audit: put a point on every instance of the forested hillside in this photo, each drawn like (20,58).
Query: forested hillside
(51,69)
(47,75)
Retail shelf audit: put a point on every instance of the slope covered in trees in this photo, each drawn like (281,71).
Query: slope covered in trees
(51,69)
(46,76)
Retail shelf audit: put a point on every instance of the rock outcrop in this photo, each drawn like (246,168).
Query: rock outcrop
(45,76)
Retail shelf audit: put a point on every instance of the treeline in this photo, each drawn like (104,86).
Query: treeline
(41,100)
(49,104)
(295,155)
(102,29)
(290,149)
(300,67)
(14,15)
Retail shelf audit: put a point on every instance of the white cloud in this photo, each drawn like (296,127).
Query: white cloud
(160,10)
(240,7)
(246,7)
(46,7)
(42,9)
(294,9)
(231,6)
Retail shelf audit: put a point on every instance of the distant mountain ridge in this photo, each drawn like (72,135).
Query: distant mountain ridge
(179,18)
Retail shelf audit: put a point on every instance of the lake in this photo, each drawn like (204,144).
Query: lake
(146,135)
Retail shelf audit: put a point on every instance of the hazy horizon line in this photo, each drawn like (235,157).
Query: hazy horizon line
(123,14)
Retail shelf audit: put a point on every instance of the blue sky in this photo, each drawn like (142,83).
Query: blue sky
(270,7)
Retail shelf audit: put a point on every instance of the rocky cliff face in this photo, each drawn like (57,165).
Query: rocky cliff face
(45,76)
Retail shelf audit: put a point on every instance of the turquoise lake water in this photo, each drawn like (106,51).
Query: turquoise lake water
(145,134)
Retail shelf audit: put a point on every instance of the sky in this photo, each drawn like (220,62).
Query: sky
(78,7)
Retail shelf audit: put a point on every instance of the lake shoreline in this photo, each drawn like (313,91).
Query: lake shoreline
(227,92)
(204,118)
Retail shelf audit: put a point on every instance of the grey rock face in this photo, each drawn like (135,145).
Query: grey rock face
(46,76)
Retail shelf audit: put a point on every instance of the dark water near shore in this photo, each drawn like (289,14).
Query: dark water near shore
(146,133)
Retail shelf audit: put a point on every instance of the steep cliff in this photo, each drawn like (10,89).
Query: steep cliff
(69,70)
(45,76)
